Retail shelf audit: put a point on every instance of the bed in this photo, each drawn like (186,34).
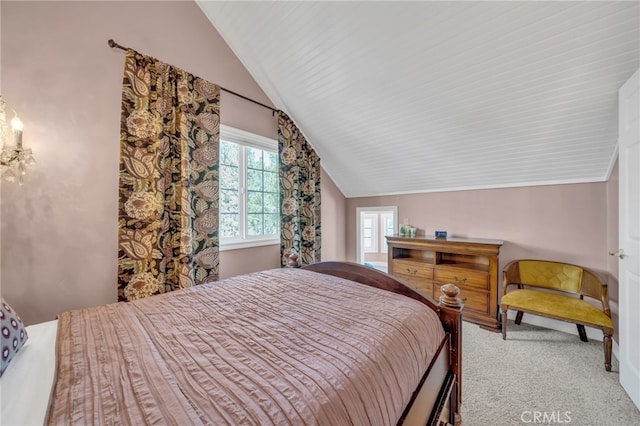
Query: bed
(306,345)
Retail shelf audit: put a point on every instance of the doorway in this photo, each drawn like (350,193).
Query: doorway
(372,225)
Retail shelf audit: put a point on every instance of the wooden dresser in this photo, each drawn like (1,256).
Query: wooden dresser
(427,263)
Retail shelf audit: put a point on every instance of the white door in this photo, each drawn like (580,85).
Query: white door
(629,238)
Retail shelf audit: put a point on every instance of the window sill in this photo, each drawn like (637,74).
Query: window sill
(247,244)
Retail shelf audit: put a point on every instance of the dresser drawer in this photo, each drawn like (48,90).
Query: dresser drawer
(476,301)
(424,285)
(463,278)
(414,269)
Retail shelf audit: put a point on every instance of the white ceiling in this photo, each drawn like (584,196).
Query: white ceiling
(401,97)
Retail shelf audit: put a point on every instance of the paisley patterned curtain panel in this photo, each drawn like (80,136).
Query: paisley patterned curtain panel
(168,205)
(299,194)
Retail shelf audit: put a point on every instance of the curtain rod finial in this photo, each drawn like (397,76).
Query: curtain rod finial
(112,44)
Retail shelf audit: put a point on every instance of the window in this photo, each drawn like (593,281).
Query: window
(249,190)
(387,229)
(369,235)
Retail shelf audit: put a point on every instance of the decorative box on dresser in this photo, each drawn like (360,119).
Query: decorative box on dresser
(427,263)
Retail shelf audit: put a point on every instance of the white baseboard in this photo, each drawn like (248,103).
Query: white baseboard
(567,327)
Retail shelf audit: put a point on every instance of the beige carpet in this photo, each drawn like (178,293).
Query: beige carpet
(539,374)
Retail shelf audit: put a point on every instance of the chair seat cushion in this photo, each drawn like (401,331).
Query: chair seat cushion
(556,305)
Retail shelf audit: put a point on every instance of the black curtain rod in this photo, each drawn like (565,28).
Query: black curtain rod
(113,44)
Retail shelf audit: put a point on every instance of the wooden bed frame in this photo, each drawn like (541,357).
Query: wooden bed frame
(437,399)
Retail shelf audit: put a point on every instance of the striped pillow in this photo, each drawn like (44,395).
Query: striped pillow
(13,334)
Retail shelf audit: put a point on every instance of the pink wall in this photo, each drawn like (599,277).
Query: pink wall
(562,222)
(558,222)
(334,225)
(59,239)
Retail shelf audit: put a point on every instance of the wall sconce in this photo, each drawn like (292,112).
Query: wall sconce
(14,159)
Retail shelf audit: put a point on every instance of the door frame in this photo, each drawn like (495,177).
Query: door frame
(359,212)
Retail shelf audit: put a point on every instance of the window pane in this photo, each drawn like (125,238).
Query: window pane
(271,202)
(229,201)
(254,202)
(229,225)
(254,180)
(229,177)
(229,153)
(254,158)
(271,182)
(271,224)
(271,161)
(255,224)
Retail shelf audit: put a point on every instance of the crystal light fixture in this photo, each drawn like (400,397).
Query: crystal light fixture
(14,159)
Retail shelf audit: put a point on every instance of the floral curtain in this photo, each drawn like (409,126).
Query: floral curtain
(168,191)
(299,194)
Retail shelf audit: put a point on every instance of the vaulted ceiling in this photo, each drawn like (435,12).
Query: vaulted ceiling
(402,97)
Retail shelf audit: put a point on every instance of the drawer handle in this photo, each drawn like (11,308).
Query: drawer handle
(455,278)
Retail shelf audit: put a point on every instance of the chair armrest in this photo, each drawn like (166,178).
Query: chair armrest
(592,286)
(510,275)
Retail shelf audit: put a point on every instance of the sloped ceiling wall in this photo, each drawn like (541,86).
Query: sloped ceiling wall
(433,96)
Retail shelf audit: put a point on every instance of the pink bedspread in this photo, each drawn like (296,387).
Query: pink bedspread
(285,346)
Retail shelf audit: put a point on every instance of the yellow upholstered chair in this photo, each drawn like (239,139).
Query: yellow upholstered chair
(557,290)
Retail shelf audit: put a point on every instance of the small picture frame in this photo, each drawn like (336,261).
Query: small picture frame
(407,231)
(441,235)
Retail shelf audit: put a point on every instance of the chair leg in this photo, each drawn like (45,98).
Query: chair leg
(504,325)
(582,333)
(519,317)
(607,352)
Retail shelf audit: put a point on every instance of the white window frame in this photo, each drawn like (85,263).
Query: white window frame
(374,233)
(385,218)
(247,139)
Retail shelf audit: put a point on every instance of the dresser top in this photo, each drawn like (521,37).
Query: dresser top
(432,238)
